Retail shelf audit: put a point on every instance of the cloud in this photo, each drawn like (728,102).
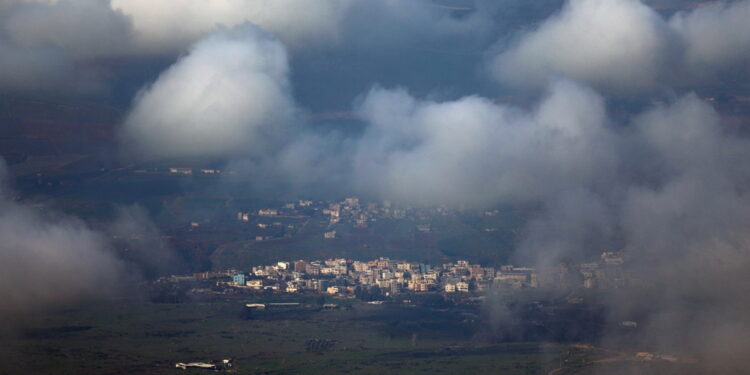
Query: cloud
(716,36)
(25,69)
(179,23)
(229,95)
(420,23)
(466,151)
(573,222)
(677,209)
(50,47)
(625,47)
(670,166)
(299,24)
(344,44)
(475,151)
(87,41)
(616,45)
(138,241)
(83,29)
(48,260)
(666,187)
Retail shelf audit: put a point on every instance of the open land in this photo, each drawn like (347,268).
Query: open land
(138,336)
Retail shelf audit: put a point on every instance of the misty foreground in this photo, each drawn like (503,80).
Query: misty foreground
(420,336)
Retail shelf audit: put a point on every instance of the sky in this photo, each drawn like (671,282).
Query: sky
(596,110)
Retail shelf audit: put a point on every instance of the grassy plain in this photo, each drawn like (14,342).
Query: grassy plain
(137,337)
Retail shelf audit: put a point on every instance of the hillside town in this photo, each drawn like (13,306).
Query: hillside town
(387,277)
(332,221)
(350,212)
(344,277)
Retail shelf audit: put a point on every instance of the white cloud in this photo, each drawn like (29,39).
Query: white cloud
(625,47)
(474,151)
(229,95)
(716,36)
(174,24)
(617,45)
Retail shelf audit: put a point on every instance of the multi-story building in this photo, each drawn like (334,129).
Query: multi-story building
(239,279)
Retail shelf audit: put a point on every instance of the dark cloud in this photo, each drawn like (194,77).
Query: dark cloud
(51,46)
(83,33)
(83,29)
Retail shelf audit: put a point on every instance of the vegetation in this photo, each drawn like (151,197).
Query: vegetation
(148,338)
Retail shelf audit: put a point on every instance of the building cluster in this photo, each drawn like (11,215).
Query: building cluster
(350,211)
(190,171)
(607,273)
(342,276)
(389,277)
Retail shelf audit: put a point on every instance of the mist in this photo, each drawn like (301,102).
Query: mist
(137,240)
(527,108)
(49,260)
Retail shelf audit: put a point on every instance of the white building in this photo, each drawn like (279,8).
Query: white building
(268,212)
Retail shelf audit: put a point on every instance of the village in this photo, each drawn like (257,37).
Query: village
(386,277)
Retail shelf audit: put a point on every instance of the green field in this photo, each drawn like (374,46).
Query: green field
(146,338)
(452,238)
